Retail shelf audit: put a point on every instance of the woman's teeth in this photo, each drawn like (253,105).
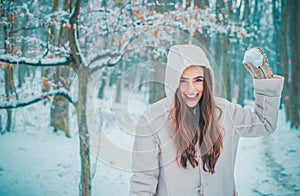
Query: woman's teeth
(191,96)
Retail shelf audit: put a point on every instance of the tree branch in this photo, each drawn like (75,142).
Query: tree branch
(110,62)
(16,104)
(103,55)
(37,62)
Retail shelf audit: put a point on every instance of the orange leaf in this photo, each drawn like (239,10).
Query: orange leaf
(150,12)
(11,96)
(15,49)
(147,28)
(45,81)
(155,33)
(223,10)
(121,39)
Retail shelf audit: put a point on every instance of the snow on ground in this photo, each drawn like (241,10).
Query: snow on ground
(34,160)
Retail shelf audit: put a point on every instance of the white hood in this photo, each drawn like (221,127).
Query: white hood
(179,58)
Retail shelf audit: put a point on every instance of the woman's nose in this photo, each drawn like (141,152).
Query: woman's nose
(190,88)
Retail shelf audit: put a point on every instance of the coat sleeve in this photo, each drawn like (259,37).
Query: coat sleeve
(145,161)
(263,120)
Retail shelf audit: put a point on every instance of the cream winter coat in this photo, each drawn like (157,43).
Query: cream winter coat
(155,170)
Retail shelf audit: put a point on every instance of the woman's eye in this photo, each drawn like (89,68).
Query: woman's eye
(199,80)
(182,81)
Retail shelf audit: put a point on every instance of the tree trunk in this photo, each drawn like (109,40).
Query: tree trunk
(219,44)
(204,38)
(241,94)
(157,91)
(294,49)
(53,30)
(60,105)
(226,67)
(119,85)
(277,39)
(201,3)
(242,72)
(85,188)
(284,61)
(83,76)
(102,85)
(9,45)
(23,70)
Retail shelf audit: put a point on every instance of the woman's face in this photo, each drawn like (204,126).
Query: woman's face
(191,85)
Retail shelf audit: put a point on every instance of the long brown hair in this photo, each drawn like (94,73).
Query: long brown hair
(199,124)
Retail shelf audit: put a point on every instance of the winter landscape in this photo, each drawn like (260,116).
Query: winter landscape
(37,161)
(76,75)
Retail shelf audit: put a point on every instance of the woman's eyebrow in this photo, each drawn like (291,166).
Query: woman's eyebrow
(198,77)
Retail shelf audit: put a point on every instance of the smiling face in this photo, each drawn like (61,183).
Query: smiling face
(191,85)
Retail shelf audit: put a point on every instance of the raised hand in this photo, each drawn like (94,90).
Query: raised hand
(256,62)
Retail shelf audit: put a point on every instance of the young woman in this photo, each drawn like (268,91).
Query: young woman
(186,143)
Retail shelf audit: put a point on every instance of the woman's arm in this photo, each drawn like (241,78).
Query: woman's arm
(263,120)
(267,91)
(145,161)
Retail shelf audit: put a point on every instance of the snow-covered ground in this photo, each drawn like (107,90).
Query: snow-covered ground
(34,160)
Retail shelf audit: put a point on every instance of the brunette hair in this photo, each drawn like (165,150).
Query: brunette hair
(199,125)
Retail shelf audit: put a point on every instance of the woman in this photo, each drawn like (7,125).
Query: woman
(186,143)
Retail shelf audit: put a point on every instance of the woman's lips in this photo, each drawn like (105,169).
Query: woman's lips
(191,97)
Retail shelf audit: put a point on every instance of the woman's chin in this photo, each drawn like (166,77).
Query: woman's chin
(191,104)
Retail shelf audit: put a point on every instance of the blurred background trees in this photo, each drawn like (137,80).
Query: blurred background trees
(45,45)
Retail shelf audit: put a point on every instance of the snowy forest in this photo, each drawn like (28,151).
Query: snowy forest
(76,75)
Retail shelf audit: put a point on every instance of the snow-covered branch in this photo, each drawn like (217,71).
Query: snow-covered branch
(104,54)
(17,104)
(57,61)
(116,57)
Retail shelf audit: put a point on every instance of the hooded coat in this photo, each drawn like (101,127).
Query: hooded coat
(154,165)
